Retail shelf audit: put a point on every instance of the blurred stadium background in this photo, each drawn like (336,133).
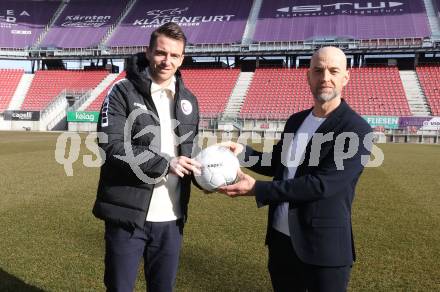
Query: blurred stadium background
(246,62)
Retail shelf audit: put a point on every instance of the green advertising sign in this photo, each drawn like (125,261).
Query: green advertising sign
(83,117)
(382,121)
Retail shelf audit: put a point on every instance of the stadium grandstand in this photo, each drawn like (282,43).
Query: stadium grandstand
(246,60)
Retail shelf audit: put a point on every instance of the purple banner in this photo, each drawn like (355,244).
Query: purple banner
(413,124)
(287,20)
(417,122)
(83,23)
(208,21)
(22,21)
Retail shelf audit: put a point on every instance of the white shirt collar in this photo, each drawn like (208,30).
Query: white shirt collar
(156,87)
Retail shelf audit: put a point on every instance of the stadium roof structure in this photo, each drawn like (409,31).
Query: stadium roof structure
(76,29)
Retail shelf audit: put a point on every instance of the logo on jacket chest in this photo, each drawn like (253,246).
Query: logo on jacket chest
(139,105)
(186,106)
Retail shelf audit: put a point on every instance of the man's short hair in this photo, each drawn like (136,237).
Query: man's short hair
(171,30)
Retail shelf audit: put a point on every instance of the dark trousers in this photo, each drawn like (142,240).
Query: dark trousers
(157,242)
(289,274)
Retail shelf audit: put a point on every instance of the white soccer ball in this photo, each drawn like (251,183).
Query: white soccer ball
(219,167)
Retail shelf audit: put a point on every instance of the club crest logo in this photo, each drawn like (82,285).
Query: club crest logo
(157,13)
(186,107)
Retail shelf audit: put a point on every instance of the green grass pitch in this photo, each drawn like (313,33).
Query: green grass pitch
(50,241)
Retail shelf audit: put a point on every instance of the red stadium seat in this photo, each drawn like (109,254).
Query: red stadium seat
(48,84)
(371,91)
(9,79)
(429,77)
(213,87)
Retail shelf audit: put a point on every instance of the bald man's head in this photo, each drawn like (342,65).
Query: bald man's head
(327,74)
(330,52)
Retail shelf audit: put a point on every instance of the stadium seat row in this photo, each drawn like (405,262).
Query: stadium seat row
(272,92)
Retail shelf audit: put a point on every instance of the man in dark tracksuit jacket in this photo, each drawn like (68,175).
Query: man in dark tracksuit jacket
(140,182)
(309,234)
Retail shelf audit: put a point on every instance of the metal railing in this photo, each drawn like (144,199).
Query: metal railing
(62,98)
(231,48)
(84,96)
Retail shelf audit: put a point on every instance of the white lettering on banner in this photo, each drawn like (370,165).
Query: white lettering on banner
(84,116)
(10,16)
(86,20)
(383,120)
(22,116)
(183,20)
(23,32)
(340,8)
(158,17)
(305,8)
(7,25)
(431,125)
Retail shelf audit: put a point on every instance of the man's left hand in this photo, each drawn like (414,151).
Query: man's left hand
(244,187)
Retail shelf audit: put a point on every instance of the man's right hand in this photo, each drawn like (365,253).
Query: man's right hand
(182,165)
(236,148)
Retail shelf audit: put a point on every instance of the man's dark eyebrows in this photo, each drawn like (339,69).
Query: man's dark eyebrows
(160,51)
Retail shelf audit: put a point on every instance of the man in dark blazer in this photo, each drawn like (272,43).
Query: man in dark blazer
(315,168)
